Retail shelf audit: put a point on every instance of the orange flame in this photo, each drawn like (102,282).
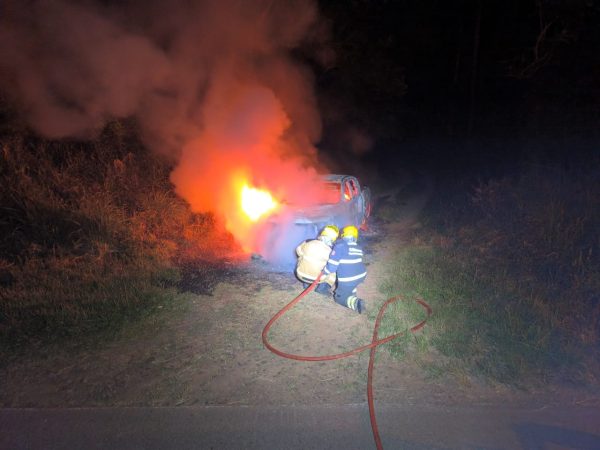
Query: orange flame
(246,163)
(256,203)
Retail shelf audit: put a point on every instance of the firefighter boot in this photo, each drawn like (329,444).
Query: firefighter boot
(323,288)
(355,303)
(360,306)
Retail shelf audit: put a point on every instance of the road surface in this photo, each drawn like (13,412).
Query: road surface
(300,427)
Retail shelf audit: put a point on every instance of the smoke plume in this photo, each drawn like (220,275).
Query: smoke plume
(212,83)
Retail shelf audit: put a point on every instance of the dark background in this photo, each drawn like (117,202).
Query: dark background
(463,86)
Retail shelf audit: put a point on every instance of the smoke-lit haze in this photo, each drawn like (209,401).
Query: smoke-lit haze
(211,83)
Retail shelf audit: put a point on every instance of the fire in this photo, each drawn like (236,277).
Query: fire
(257,202)
(247,162)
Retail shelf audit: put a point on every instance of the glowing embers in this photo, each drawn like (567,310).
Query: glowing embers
(257,202)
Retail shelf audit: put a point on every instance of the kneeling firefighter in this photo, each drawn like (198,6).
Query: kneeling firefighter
(346,260)
(312,257)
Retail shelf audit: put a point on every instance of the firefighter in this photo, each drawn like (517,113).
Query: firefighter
(346,260)
(312,257)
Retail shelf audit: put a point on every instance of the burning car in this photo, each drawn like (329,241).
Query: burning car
(341,201)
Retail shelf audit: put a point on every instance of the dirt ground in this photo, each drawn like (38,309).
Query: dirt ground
(209,351)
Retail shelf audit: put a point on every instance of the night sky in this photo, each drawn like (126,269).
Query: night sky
(465,84)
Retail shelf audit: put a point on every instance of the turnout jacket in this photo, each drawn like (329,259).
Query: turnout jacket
(312,257)
(346,260)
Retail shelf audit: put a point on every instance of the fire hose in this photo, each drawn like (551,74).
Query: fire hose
(375,342)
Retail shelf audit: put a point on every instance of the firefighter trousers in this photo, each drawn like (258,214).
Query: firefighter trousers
(345,293)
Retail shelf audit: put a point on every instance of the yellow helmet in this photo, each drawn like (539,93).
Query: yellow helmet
(330,232)
(350,232)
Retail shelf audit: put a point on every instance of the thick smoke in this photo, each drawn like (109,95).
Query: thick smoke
(210,82)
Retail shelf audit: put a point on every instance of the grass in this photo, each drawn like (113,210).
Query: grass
(511,269)
(91,235)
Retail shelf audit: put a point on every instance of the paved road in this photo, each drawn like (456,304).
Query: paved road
(300,427)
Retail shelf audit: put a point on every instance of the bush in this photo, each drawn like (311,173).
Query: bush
(90,233)
(512,270)
(537,234)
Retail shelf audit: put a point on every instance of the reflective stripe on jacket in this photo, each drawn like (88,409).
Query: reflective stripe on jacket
(346,260)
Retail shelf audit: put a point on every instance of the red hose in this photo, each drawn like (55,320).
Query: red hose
(375,342)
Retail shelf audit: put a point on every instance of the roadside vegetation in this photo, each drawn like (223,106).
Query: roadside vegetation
(91,235)
(511,267)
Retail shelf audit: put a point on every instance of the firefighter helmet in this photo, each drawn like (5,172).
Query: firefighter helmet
(350,232)
(331,232)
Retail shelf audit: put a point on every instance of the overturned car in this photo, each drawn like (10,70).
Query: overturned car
(342,201)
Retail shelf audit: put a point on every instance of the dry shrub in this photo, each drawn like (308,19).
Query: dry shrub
(89,231)
(537,233)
